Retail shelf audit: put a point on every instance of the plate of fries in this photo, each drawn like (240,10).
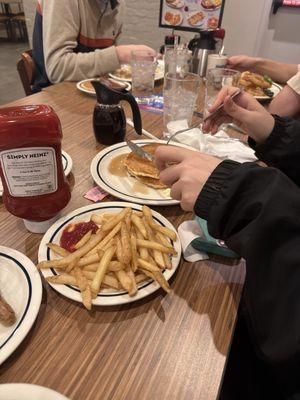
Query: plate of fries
(134,252)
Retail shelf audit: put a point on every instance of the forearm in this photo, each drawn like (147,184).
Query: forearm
(286,103)
(256,211)
(65,65)
(279,72)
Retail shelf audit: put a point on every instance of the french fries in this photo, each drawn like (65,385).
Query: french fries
(128,248)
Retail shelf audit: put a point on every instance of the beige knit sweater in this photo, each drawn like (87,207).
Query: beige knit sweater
(67,23)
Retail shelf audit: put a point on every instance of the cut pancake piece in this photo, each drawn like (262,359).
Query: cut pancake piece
(143,169)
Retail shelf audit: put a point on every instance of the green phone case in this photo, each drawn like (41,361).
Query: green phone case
(209,244)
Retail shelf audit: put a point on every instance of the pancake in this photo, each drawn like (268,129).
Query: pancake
(106,81)
(144,170)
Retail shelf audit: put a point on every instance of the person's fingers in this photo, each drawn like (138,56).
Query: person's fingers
(212,125)
(218,122)
(169,154)
(176,191)
(224,92)
(235,111)
(170,175)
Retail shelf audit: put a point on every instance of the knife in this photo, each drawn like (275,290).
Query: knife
(221,106)
(139,151)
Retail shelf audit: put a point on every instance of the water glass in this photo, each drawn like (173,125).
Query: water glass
(143,66)
(177,59)
(180,97)
(216,78)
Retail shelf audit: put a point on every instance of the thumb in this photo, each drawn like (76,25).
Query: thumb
(235,111)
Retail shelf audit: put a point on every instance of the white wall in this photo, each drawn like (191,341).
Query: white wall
(252,29)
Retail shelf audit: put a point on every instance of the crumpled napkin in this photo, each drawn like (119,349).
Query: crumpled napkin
(188,231)
(219,145)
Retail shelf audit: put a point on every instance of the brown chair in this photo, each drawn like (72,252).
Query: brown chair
(20,22)
(5,20)
(26,68)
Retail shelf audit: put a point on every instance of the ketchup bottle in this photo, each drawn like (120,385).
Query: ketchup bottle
(34,183)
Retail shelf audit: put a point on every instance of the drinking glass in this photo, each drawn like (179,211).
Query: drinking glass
(177,59)
(217,78)
(143,67)
(180,97)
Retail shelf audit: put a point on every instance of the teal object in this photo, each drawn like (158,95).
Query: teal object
(210,244)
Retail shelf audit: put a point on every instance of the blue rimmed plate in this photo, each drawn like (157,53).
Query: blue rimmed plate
(106,297)
(21,287)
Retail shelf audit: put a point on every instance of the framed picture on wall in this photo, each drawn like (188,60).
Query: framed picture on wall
(191,15)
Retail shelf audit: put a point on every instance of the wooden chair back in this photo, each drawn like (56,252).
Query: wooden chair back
(26,68)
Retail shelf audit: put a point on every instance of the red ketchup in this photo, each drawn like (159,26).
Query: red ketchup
(35,187)
(74,232)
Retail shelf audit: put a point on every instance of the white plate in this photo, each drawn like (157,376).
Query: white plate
(175,13)
(21,287)
(92,91)
(275,88)
(67,166)
(198,23)
(177,4)
(123,187)
(24,391)
(106,297)
(159,73)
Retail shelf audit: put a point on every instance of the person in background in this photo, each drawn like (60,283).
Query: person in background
(75,40)
(287,102)
(256,211)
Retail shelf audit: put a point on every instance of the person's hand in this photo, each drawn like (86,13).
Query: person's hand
(244,111)
(124,52)
(185,171)
(242,63)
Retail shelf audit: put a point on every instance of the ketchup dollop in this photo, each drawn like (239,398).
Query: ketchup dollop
(74,232)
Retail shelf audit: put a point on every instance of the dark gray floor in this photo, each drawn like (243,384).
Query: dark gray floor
(10,85)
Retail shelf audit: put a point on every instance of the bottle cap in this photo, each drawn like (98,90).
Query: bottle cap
(40,226)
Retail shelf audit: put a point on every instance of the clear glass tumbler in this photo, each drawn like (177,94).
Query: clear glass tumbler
(180,97)
(216,78)
(143,66)
(177,60)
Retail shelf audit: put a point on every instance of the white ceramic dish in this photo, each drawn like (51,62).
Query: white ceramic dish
(175,13)
(127,188)
(24,391)
(106,297)
(199,23)
(275,88)
(21,287)
(159,73)
(91,92)
(175,4)
(67,166)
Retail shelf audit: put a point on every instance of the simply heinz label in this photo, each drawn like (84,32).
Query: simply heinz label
(29,171)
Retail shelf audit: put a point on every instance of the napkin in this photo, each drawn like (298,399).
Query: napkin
(188,231)
(219,145)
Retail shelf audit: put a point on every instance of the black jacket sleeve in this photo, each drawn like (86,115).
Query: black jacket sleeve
(282,148)
(256,210)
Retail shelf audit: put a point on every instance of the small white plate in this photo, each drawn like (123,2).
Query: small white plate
(159,73)
(275,88)
(24,391)
(21,287)
(176,4)
(124,187)
(174,13)
(91,91)
(106,297)
(67,166)
(199,23)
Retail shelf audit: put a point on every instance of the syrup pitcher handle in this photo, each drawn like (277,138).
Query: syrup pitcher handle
(137,121)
